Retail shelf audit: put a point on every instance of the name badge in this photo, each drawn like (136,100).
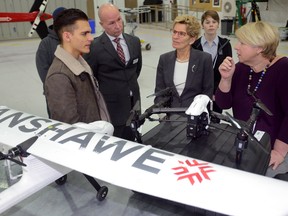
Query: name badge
(135,61)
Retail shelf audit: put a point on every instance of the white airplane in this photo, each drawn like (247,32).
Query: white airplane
(52,147)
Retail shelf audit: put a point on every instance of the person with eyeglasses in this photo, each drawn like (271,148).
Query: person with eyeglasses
(260,74)
(217,46)
(186,70)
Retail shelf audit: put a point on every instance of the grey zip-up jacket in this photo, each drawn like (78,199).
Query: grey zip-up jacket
(45,53)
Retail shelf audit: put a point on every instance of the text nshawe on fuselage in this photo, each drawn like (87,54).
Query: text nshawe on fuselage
(62,133)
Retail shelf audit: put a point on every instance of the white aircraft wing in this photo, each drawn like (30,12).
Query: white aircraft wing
(145,169)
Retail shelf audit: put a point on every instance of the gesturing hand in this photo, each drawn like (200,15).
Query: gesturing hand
(227,68)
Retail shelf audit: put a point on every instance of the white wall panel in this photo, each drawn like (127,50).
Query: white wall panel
(275,12)
(21,29)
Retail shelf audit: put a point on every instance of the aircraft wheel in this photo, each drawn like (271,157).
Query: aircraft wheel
(148,46)
(61,180)
(102,193)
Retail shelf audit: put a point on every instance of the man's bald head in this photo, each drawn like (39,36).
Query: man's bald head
(107,8)
(110,19)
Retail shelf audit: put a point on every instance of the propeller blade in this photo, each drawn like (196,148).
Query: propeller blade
(219,116)
(43,6)
(42,29)
(25,145)
(16,161)
(36,5)
(233,121)
(34,26)
(37,19)
(263,107)
(164,91)
(6,157)
(250,135)
(260,104)
(161,92)
(133,112)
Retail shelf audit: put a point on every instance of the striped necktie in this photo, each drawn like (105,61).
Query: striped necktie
(120,50)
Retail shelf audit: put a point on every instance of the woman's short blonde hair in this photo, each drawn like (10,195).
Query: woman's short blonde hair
(260,34)
(193,27)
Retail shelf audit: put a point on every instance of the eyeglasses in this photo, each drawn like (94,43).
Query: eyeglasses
(179,33)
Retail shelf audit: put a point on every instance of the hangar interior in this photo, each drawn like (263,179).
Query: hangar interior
(21,89)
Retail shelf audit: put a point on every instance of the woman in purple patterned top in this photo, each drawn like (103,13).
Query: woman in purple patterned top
(262,73)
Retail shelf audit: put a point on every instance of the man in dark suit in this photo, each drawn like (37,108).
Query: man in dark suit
(116,67)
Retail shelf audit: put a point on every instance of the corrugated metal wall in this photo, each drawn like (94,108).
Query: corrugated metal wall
(20,30)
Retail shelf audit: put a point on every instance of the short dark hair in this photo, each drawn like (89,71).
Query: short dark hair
(210,13)
(66,19)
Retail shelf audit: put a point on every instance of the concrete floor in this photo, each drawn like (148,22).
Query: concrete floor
(21,89)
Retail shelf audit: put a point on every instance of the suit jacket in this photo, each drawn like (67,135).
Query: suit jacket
(199,77)
(116,80)
(224,50)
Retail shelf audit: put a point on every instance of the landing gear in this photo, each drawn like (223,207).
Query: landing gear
(61,180)
(148,46)
(102,193)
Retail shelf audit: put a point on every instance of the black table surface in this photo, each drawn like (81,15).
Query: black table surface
(216,147)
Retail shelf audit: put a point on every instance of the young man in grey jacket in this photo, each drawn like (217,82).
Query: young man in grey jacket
(70,88)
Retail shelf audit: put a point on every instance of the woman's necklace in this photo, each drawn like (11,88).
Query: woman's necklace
(259,81)
(182,61)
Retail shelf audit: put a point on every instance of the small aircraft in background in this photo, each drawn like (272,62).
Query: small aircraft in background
(131,14)
(48,148)
(7,17)
(36,16)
